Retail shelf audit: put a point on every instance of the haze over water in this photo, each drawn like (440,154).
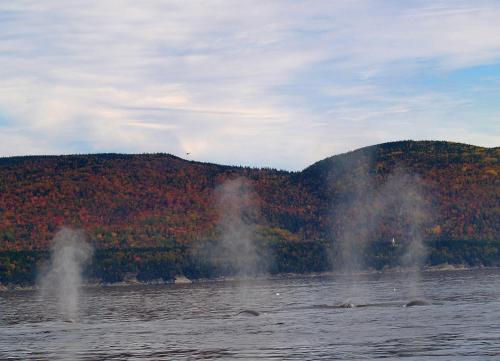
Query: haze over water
(197,321)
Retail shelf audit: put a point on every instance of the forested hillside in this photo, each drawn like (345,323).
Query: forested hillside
(460,183)
(153,214)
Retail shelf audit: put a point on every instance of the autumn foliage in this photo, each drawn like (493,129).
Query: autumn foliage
(159,201)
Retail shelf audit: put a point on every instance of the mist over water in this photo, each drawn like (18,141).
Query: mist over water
(390,210)
(238,213)
(237,247)
(61,278)
(405,198)
(358,221)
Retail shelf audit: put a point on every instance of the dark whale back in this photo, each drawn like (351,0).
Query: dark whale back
(248,313)
(417,303)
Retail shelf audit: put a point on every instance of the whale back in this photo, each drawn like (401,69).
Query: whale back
(417,303)
(248,313)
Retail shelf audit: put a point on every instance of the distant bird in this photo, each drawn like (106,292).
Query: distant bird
(188,153)
(393,242)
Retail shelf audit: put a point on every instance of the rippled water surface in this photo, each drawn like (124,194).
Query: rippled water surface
(298,320)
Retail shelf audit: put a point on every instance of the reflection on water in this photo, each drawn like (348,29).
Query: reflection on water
(298,319)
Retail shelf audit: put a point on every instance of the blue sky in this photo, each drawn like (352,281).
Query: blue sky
(260,83)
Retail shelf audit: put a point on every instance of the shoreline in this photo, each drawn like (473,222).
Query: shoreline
(182,280)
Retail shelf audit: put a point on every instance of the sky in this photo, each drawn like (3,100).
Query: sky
(264,83)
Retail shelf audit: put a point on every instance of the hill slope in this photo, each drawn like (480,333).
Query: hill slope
(461,183)
(159,201)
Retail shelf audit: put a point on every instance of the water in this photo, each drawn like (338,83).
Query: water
(197,321)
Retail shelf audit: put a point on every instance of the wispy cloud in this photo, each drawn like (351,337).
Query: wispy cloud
(281,83)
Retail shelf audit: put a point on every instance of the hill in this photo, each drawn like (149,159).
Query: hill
(460,182)
(159,212)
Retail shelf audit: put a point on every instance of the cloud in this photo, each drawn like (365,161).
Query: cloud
(279,83)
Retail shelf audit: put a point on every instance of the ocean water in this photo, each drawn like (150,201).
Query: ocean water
(299,320)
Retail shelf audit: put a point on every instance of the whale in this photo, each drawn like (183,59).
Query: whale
(346,305)
(342,305)
(417,303)
(365,305)
(248,313)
